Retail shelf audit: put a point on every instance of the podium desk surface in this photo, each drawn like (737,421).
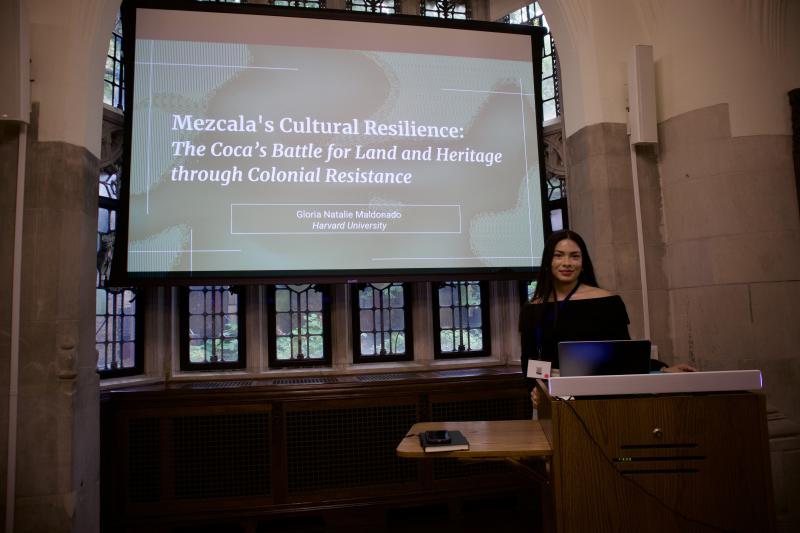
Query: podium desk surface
(496,438)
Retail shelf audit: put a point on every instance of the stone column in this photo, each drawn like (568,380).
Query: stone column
(57,488)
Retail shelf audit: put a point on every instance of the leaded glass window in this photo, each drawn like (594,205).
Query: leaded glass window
(118,323)
(113,86)
(555,178)
(555,200)
(299,3)
(117,331)
(555,188)
(109,189)
(445,9)
(462,319)
(382,318)
(374,6)
(532,14)
(212,334)
(526,290)
(298,317)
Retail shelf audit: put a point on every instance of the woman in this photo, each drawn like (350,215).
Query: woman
(569,306)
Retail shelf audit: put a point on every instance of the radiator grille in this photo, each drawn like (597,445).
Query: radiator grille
(144,440)
(383,377)
(222,456)
(342,448)
(219,385)
(304,381)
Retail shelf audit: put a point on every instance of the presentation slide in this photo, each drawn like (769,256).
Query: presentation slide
(286,144)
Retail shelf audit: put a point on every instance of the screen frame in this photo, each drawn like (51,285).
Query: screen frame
(119,269)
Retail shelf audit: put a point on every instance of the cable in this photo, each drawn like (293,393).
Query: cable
(641,488)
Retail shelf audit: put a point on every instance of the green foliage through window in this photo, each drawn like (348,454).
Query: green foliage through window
(383,322)
(213,332)
(299,320)
(462,324)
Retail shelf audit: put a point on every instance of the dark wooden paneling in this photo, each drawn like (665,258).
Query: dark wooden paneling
(245,454)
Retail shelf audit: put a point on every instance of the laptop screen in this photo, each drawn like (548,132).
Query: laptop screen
(601,358)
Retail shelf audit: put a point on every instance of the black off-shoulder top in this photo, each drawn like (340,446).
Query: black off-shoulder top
(593,319)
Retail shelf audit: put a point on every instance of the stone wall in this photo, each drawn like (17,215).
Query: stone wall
(722,242)
(721,230)
(733,249)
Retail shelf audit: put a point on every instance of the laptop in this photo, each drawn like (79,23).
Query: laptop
(604,358)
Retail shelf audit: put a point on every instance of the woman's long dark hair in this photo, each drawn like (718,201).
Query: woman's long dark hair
(545,286)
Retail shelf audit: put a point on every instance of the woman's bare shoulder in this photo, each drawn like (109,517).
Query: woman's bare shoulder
(584,292)
(587,292)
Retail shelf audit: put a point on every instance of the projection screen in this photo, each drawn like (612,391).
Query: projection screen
(284,144)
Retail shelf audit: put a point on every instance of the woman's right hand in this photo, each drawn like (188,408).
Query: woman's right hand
(680,367)
(535,398)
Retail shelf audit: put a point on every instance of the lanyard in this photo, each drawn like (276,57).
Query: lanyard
(559,306)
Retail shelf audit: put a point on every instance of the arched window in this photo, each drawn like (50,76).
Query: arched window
(555,201)
(532,14)
(113,87)
(118,311)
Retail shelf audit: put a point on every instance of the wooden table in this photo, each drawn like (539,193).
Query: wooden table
(512,441)
(508,439)
(627,464)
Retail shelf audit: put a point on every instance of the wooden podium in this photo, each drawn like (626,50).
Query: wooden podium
(668,463)
(692,463)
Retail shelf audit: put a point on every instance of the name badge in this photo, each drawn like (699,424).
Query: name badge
(539,369)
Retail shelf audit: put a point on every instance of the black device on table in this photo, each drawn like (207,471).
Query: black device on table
(439,436)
